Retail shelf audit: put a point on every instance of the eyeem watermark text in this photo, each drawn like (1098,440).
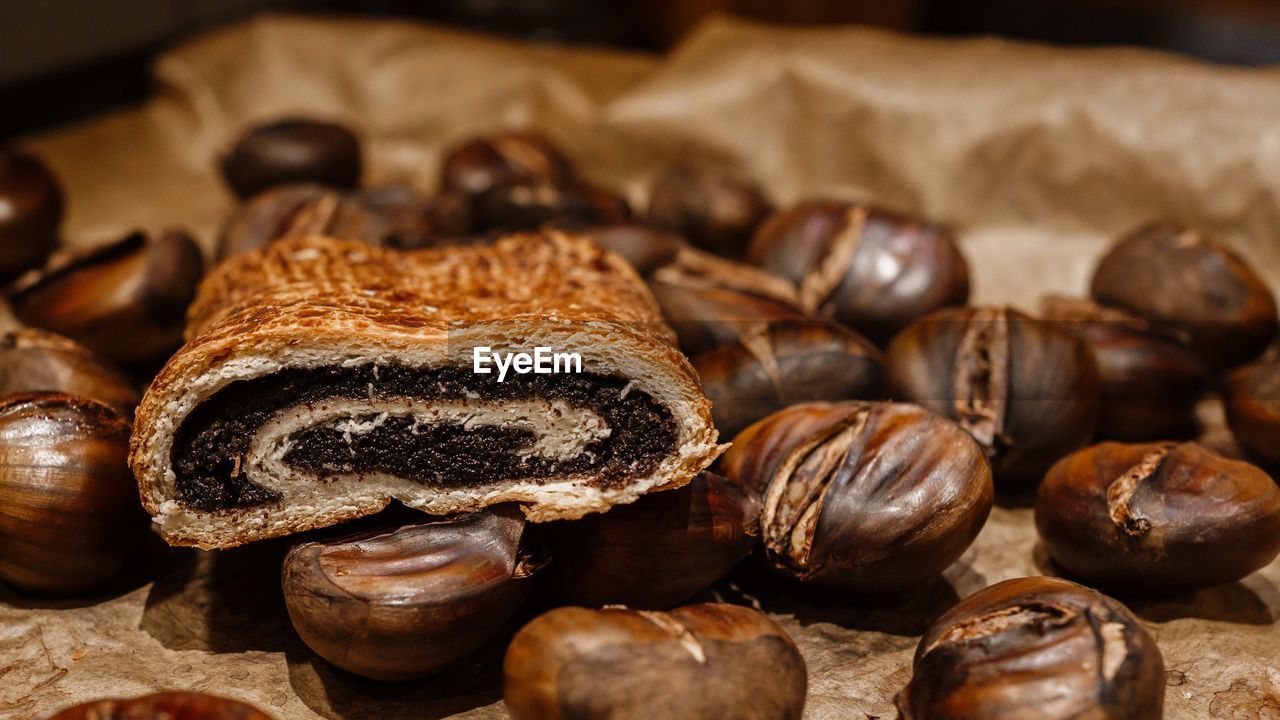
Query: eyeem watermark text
(542,361)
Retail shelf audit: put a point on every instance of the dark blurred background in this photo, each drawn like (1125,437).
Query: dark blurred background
(61,60)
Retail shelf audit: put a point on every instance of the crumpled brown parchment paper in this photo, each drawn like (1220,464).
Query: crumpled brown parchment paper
(1036,155)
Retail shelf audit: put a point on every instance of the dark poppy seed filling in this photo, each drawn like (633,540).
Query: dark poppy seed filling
(211,447)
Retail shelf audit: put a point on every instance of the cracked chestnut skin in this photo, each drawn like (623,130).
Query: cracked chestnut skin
(125,300)
(1036,647)
(710,301)
(164,706)
(659,550)
(1158,518)
(697,662)
(713,210)
(293,151)
(31,208)
(785,363)
(1252,398)
(405,602)
(1027,390)
(71,519)
(873,270)
(1192,288)
(862,496)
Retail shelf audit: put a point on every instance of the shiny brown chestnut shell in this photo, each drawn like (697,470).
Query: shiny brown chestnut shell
(505,159)
(692,663)
(33,360)
(1036,647)
(1192,288)
(862,496)
(404,602)
(72,520)
(645,248)
(31,206)
(164,706)
(394,215)
(293,151)
(1158,518)
(657,551)
(1027,390)
(871,269)
(1252,398)
(126,300)
(1150,384)
(785,363)
(711,302)
(714,211)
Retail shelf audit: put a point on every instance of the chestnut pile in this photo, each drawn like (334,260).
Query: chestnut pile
(75,327)
(875,418)
(302,177)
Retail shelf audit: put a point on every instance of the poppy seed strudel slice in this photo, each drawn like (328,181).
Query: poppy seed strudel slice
(322,379)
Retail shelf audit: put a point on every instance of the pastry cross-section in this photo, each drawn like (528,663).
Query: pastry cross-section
(322,379)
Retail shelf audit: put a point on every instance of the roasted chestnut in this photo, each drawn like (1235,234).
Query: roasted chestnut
(72,520)
(126,300)
(1158,518)
(1191,287)
(786,363)
(862,496)
(393,215)
(293,151)
(695,662)
(711,302)
(513,208)
(164,706)
(273,214)
(659,550)
(1036,647)
(506,159)
(870,269)
(33,360)
(416,220)
(1253,409)
(714,211)
(645,248)
(1028,391)
(404,602)
(31,205)
(520,181)
(1150,384)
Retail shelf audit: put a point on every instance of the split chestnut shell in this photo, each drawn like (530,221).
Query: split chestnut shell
(862,496)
